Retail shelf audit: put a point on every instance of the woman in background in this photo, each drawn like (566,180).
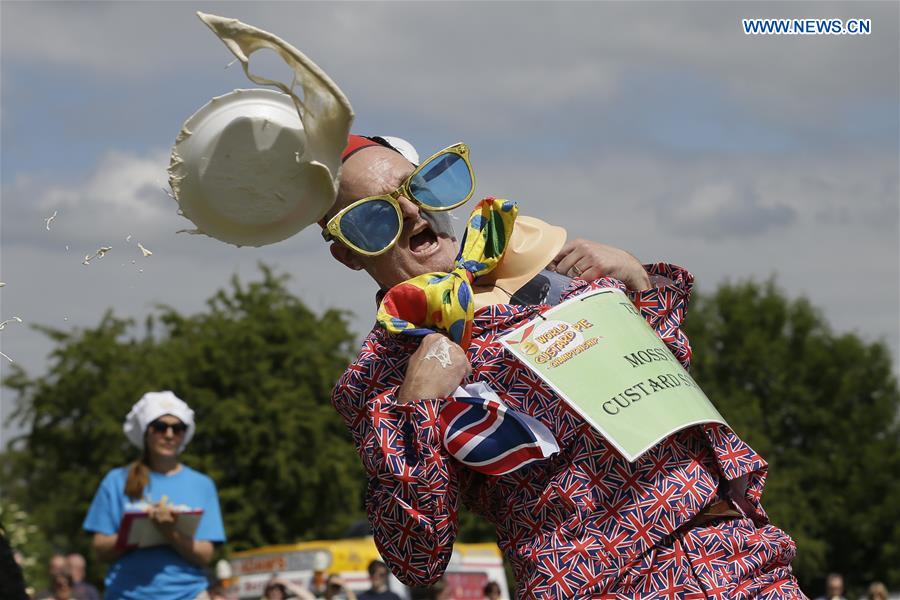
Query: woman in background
(877,591)
(158,485)
(492,591)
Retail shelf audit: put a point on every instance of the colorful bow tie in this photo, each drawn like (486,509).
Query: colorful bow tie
(443,301)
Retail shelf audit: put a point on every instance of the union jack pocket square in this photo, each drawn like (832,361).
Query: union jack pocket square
(481,432)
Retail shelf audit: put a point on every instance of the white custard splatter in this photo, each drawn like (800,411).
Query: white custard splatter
(101,252)
(2,325)
(48,219)
(441,352)
(12,320)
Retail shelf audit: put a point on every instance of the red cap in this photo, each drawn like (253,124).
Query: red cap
(355,143)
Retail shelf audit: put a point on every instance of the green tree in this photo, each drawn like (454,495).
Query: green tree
(257,367)
(822,408)
(25,537)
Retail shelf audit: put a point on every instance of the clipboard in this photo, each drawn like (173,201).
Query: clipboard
(137,530)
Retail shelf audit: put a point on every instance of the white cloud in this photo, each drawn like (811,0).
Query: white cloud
(103,37)
(726,218)
(462,62)
(720,209)
(654,206)
(123,194)
(120,184)
(824,218)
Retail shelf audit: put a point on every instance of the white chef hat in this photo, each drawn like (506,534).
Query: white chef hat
(152,406)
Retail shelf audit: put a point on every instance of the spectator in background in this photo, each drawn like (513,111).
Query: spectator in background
(877,591)
(278,588)
(378,576)
(216,591)
(834,587)
(440,590)
(492,590)
(319,581)
(222,585)
(336,589)
(275,590)
(161,425)
(62,587)
(77,567)
(57,565)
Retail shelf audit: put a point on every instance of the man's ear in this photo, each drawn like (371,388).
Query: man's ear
(345,256)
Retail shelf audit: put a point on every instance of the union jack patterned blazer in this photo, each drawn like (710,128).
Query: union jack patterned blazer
(577,525)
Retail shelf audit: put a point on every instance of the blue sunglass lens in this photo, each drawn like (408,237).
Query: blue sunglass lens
(442,182)
(371,226)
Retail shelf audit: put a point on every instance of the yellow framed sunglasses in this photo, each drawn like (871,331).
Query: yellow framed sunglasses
(372,225)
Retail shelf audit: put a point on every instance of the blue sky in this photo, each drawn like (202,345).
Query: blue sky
(657,127)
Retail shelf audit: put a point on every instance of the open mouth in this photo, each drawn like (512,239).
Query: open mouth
(424,241)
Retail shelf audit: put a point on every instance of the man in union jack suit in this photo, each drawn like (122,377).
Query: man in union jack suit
(575,518)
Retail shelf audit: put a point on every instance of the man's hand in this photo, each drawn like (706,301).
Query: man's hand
(591,260)
(293,588)
(435,369)
(336,586)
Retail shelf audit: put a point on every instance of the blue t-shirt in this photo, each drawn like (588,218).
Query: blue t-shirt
(158,572)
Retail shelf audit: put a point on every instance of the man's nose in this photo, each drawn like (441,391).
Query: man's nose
(408,208)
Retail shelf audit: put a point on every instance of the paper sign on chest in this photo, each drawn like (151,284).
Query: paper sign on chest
(602,358)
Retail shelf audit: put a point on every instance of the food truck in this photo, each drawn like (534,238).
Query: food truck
(471,567)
